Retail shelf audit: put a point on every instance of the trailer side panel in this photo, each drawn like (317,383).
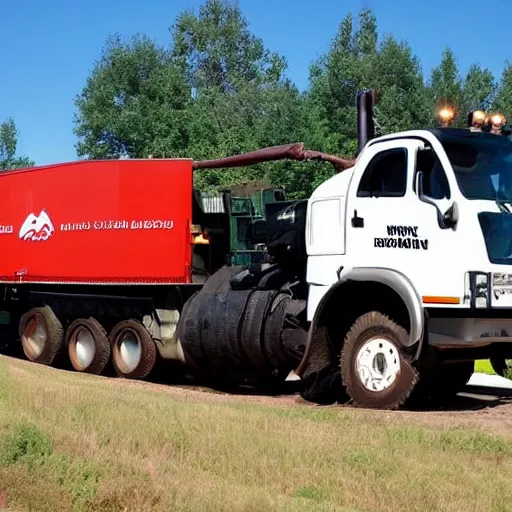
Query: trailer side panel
(117,221)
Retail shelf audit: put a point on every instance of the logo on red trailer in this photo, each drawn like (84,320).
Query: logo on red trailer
(37,227)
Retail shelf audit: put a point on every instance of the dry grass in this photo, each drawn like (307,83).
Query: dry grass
(75,442)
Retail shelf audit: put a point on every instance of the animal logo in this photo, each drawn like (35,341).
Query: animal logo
(37,227)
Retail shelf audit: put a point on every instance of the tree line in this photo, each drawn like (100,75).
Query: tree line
(217,90)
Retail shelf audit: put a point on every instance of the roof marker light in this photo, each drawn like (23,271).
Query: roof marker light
(446,115)
(476,120)
(497,122)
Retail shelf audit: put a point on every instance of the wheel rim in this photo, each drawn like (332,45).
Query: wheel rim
(84,347)
(129,351)
(35,336)
(378,364)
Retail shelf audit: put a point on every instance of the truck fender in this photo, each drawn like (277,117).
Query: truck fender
(394,280)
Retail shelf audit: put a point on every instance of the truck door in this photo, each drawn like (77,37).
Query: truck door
(389,227)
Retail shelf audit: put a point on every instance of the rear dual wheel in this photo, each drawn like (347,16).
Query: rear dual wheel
(133,350)
(88,346)
(131,346)
(41,335)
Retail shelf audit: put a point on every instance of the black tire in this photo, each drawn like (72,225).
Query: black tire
(45,348)
(147,358)
(189,330)
(101,345)
(253,327)
(235,309)
(388,340)
(502,366)
(273,343)
(214,328)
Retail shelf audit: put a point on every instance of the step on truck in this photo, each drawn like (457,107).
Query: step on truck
(383,287)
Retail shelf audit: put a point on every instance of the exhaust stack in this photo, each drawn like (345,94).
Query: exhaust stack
(365,100)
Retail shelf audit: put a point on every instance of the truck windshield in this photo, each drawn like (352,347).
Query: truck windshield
(482,164)
(497,230)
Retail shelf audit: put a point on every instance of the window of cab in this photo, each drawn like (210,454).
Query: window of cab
(385,175)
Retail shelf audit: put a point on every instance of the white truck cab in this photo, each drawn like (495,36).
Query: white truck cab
(415,240)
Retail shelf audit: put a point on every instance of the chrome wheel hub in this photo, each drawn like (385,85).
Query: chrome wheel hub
(85,348)
(378,364)
(130,351)
(35,336)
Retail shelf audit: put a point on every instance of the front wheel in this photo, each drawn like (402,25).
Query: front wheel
(374,369)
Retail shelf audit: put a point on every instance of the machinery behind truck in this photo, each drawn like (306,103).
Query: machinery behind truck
(382,287)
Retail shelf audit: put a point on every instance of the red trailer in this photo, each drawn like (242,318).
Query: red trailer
(125,221)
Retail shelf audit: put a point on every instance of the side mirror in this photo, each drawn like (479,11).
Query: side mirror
(451,216)
(447,219)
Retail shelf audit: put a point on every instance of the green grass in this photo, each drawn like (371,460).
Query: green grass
(484,366)
(81,443)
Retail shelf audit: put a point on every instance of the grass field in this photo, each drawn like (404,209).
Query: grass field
(484,366)
(76,442)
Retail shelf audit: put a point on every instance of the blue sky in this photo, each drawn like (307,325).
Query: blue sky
(49,46)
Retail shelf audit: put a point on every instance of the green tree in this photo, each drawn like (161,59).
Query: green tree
(8,146)
(446,88)
(503,99)
(218,50)
(357,60)
(404,100)
(134,103)
(242,99)
(479,89)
